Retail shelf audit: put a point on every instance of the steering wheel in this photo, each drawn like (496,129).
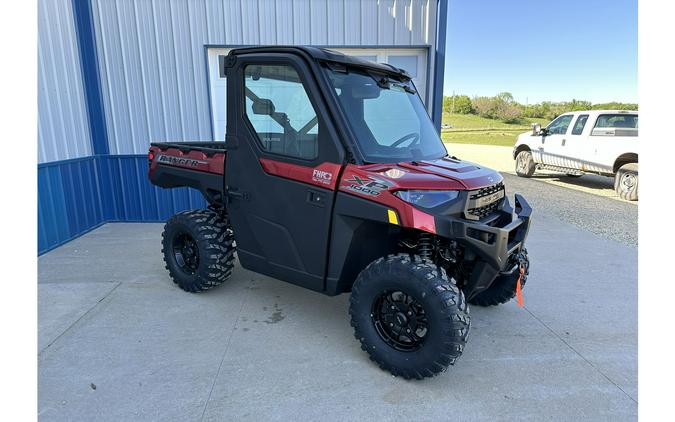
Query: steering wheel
(413,136)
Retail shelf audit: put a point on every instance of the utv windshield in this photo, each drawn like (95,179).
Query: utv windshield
(387,116)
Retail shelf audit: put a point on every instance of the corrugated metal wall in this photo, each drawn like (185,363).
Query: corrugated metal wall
(75,196)
(63,131)
(153,76)
(152,58)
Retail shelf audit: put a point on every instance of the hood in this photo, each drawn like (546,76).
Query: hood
(445,173)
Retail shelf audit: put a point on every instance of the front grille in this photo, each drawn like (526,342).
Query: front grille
(474,212)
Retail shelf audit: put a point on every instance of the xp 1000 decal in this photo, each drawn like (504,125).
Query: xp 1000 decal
(367,185)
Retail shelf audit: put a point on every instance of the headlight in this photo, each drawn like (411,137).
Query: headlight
(427,198)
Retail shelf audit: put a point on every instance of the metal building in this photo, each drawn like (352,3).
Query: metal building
(115,75)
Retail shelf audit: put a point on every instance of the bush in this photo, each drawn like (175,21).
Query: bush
(503,107)
(500,107)
(462,104)
(615,106)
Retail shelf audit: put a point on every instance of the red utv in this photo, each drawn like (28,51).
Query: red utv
(332,177)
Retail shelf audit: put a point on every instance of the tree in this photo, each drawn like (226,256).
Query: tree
(500,107)
(460,104)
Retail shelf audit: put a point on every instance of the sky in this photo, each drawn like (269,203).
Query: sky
(543,50)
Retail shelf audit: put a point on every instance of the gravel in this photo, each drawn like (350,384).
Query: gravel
(609,218)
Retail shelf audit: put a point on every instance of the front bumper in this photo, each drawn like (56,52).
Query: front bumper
(496,240)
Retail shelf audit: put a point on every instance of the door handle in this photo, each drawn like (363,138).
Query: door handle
(233,194)
(563,142)
(318,199)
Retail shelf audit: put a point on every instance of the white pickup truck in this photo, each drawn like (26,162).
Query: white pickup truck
(596,141)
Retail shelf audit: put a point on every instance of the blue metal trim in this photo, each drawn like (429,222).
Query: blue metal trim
(61,162)
(439,64)
(68,201)
(86,42)
(78,195)
(63,242)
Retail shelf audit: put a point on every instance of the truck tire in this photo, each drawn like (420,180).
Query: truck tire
(411,319)
(198,250)
(503,288)
(525,165)
(626,182)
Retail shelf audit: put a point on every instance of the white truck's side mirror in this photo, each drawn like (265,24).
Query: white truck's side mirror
(536,129)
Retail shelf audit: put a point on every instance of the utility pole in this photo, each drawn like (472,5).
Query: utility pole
(452,109)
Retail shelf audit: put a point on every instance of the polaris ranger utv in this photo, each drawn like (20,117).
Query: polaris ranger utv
(332,177)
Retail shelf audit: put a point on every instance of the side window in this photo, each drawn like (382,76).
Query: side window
(559,126)
(628,121)
(279,109)
(579,124)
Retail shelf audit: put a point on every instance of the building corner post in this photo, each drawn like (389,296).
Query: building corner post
(439,62)
(86,43)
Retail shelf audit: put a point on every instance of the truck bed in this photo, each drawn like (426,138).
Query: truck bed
(198,165)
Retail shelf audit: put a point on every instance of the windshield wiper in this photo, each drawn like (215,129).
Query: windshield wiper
(406,88)
(386,83)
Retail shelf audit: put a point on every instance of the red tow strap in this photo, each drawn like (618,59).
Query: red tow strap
(519,292)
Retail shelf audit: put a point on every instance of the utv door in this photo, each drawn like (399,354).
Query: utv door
(283,164)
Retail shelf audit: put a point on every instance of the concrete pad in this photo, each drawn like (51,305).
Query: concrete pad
(129,252)
(147,352)
(61,305)
(260,349)
(589,299)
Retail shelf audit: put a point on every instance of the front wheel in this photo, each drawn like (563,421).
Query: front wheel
(626,182)
(411,319)
(525,165)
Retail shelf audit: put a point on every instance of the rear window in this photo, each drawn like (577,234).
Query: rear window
(579,124)
(623,121)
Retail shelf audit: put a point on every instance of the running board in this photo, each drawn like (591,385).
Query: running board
(560,169)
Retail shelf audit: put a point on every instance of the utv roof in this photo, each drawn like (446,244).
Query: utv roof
(325,55)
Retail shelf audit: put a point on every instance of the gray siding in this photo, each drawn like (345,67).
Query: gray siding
(63,130)
(152,58)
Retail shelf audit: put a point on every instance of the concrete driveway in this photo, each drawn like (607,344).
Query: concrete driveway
(118,341)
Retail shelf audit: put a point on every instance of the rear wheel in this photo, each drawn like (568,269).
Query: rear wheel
(411,319)
(626,182)
(198,250)
(525,165)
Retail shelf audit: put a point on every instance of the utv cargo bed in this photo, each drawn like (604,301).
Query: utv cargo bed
(198,165)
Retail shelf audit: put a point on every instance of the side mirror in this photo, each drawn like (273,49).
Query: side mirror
(263,106)
(536,129)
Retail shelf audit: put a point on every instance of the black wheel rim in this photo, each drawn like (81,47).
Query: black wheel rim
(400,320)
(186,253)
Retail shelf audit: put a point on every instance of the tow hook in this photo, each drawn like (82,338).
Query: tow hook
(523,267)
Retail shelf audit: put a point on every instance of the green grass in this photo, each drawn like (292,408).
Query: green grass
(473,129)
(495,137)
